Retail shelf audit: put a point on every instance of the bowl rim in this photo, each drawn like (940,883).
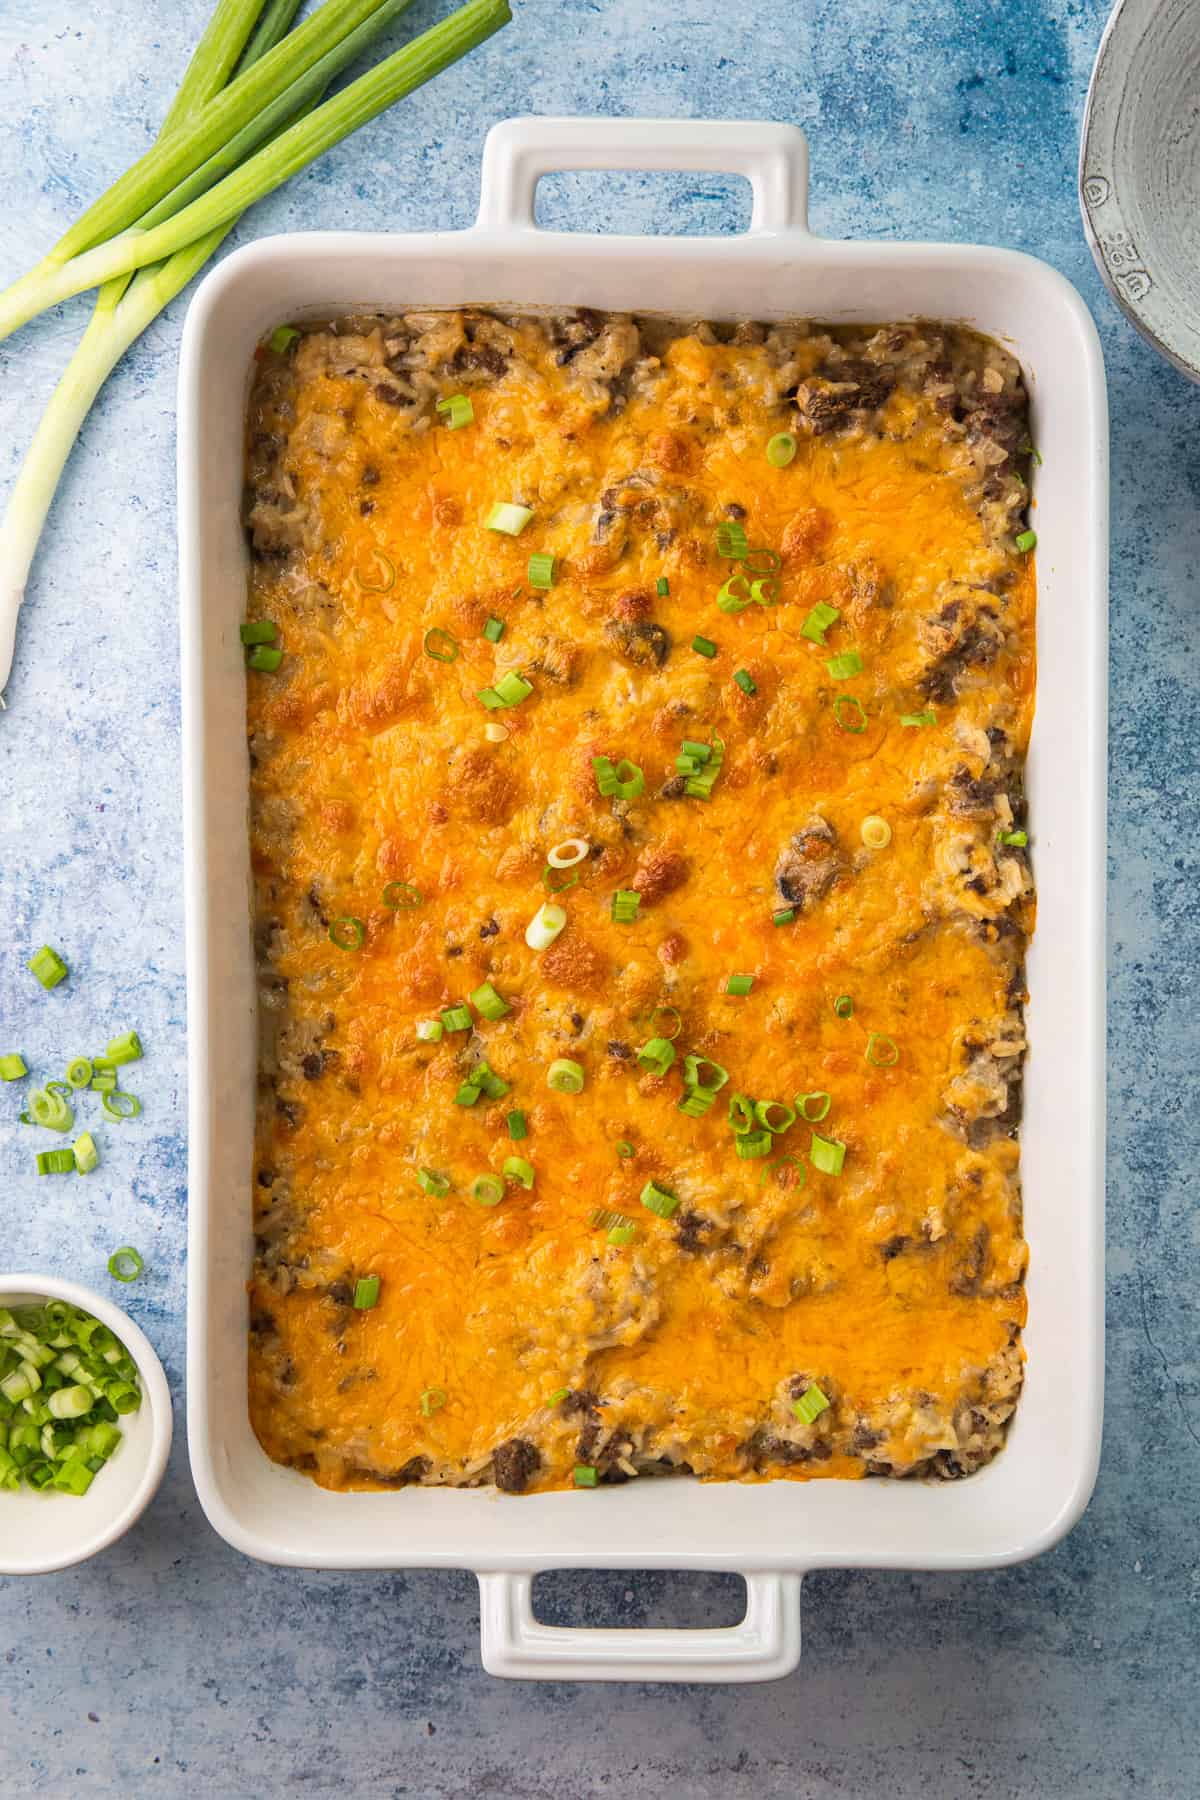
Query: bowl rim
(156,1395)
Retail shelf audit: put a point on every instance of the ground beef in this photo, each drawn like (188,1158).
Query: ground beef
(513,1463)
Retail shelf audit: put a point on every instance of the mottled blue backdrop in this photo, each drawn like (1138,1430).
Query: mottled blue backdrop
(174,1666)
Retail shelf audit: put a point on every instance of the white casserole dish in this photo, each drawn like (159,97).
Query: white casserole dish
(772,1532)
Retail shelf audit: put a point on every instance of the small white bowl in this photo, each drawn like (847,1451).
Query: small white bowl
(41,1532)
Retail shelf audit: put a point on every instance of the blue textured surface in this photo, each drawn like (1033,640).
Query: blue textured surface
(174,1666)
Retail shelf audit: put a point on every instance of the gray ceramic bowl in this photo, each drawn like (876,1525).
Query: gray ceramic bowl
(1139,172)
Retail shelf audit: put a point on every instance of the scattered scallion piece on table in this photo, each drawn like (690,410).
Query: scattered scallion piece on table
(811,1404)
(48,966)
(12,1067)
(125,1264)
(121,1106)
(458,411)
(79,1072)
(87,1157)
(124,1049)
(56,1162)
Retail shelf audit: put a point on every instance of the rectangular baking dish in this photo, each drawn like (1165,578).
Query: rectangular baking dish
(770,1532)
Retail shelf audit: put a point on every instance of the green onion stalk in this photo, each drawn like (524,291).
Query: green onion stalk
(222,147)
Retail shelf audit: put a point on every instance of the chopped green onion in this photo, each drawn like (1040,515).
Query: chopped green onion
(61,1088)
(387,570)
(431,1182)
(662,587)
(921,718)
(1016,839)
(487,1190)
(779,1169)
(604,1218)
(512,688)
(696,1102)
(12,1067)
(124,1049)
(366,1293)
(694,747)
(492,1005)
(625,903)
(844,666)
(741,1113)
(763,562)
(79,1072)
(850,713)
(541,570)
(400,896)
(625,1149)
(745,681)
(48,966)
(457,1018)
(440,645)
(282,339)
(774,1115)
(1026,541)
(586,1476)
(56,1162)
(843,1006)
(493,1085)
(620,1235)
(557,1397)
(813,1106)
(264,658)
(704,646)
(125,1264)
(508,518)
(517,1169)
(666,1021)
(827,1154)
(739,985)
(733,596)
(781,449)
(458,410)
(87,1157)
(430,1031)
(121,1106)
(750,1145)
(557,881)
(348,933)
(50,1110)
(517,1128)
(104,1082)
(784,915)
(818,622)
(73,1476)
(657,1054)
(468,1093)
(658,1200)
(493,631)
(70,1402)
(732,541)
(875,832)
(432,1400)
(811,1404)
(565,1076)
(626,779)
(882,1051)
(567,854)
(546,924)
(259,631)
(764,591)
(694,1073)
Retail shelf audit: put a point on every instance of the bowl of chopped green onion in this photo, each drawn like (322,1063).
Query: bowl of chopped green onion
(85,1423)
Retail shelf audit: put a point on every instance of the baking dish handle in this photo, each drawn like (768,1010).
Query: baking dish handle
(764,1646)
(518,152)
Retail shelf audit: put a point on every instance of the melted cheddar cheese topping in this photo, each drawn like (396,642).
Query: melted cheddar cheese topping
(515,1342)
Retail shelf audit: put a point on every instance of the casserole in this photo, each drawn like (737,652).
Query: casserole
(1035,1490)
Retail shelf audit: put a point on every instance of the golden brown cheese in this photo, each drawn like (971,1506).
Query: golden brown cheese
(515,1342)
